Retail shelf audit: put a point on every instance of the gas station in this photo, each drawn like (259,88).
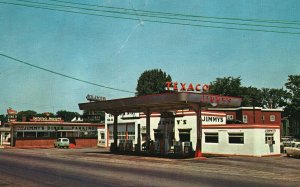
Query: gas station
(166,103)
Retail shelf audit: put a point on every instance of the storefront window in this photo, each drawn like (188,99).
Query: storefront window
(131,135)
(43,134)
(211,137)
(72,134)
(19,135)
(29,134)
(121,135)
(236,138)
(54,134)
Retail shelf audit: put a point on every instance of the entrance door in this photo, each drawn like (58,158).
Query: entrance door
(101,137)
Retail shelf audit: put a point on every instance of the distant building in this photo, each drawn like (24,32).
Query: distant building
(42,131)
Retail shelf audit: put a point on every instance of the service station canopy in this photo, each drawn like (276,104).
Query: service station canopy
(161,103)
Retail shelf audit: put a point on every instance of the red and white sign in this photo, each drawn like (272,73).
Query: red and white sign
(184,87)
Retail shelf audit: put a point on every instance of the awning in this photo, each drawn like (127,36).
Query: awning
(161,102)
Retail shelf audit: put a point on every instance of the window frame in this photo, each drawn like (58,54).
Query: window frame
(211,135)
(245,118)
(272,118)
(233,137)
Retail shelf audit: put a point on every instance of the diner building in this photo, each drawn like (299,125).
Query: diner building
(43,131)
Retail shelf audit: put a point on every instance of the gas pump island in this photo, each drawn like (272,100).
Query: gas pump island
(166,103)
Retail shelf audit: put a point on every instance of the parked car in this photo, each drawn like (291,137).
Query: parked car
(293,150)
(287,141)
(62,142)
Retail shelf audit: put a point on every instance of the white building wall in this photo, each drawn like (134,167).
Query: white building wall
(128,118)
(254,138)
(254,143)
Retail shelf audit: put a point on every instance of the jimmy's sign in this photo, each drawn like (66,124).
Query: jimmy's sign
(184,87)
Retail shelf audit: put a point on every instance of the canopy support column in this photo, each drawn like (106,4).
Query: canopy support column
(197,109)
(114,146)
(148,114)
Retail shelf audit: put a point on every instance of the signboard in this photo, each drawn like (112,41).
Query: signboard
(35,119)
(270,130)
(53,128)
(184,87)
(12,115)
(206,120)
(90,97)
(188,120)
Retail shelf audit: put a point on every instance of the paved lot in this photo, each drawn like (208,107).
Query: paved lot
(97,167)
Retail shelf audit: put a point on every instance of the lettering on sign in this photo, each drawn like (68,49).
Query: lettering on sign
(270,130)
(206,120)
(212,119)
(90,97)
(215,99)
(184,87)
(45,119)
(54,128)
(181,122)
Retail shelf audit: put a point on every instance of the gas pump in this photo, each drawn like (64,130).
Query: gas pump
(157,147)
(186,148)
(129,146)
(158,141)
(177,147)
(121,145)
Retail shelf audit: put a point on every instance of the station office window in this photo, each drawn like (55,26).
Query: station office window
(272,117)
(229,117)
(245,119)
(236,138)
(211,137)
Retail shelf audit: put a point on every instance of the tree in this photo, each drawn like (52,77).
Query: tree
(3,118)
(227,86)
(292,110)
(28,114)
(152,82)
(252,96)
(274,98)
(66,115)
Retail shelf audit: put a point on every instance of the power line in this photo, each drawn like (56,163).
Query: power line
(63,75)
(184,15)
(136,12)
(154,21)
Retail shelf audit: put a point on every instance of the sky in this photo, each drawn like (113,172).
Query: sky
(114,52)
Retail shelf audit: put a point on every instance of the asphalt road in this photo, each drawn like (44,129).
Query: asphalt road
(96,167)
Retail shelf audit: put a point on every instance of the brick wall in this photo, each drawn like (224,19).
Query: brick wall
(49,143)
